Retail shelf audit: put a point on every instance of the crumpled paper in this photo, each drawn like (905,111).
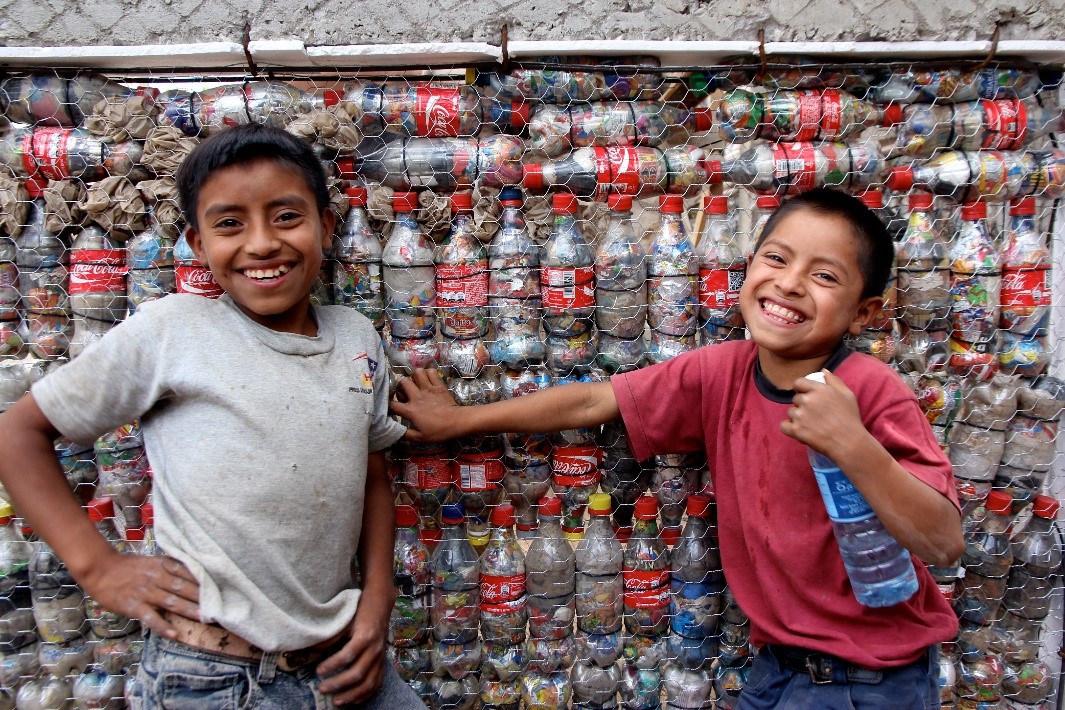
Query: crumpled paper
(121,119)
(379,209)
(63,205)
(115,204)
(14,206)
(165,148)
(331,127)
(162,195)
(338,201)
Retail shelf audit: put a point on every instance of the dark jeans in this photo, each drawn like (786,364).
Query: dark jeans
(911,687)
(174,676)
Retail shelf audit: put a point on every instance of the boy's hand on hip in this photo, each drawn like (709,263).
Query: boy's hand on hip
(143,587)
(823,416)
(354,673)
(424,400)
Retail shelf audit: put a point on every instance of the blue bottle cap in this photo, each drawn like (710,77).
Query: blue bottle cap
(452,513)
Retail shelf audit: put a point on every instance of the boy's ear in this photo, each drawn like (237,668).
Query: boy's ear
(868,309)
(329,224)
(192,236)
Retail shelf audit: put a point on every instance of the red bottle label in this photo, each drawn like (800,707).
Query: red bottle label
(1025,287)
(720,288)
(795,164)
(646,589)
(438,112)
(576,465)
(1007,124)
(49,150)
(114,257)
(818,115)
(479,474)
(427,472)
(196,280)
(461,285)
(497,589)
(563,287)
(97,278)
(618,168)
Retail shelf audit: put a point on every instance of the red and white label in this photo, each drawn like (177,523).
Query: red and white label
(720,288)
(819,115)
(113,257)
(480,473)
(1025,287)
(619,167)
(97,278)
(497,589)
(567,287)
(50,149)
(438,112)
(1007,124)
(576,465)
(646,589)
(464,285)
(427,472)
(514,606)
(197,280)
(795,165)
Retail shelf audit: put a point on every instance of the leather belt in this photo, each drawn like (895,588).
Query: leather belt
(216,639)
(823,668)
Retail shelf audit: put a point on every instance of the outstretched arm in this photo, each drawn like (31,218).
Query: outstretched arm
(826,417)
(435,416)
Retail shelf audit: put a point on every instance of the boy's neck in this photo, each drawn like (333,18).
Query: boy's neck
(782,372)
(286,322)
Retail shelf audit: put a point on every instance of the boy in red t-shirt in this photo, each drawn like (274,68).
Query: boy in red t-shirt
(817,274)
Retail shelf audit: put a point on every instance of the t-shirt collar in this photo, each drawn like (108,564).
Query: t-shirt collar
(287,343)
(775,394)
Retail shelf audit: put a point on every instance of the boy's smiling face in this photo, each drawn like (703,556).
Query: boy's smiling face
(261,234)
(803,291)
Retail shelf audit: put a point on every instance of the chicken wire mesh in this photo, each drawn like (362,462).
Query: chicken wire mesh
(553,223)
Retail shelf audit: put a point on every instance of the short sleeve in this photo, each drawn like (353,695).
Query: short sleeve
(112,382)
(384,430)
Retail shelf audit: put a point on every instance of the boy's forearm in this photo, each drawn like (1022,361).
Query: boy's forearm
(378,528)
(40,492)
(573,406)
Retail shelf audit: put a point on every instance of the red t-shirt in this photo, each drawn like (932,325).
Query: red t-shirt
(780,558)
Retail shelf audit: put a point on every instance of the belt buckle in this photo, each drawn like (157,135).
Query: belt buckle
(820,670)
(292,661)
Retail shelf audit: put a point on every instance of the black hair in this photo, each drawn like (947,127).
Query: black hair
(876,254)
(243,144)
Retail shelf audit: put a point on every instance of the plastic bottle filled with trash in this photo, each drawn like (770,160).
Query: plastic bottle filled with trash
(722,269)
(514,288)
(45,153)
(150,260)
(556,130)
(807,115)
(620,290)
(563,86)
(646,574)
(409,625)
(550,562)
(951,85)
(793,168)
(880,569)
(992,174)
(567,273)
(503,609)
(47,99)
(922,274)
(456,590)
(462,292)
(1026,288)
(1002,124)
(274,103)
(17,626)
(1036,558)
(357,267)
(975,283)
(987,560)
(696,579)
(672,274)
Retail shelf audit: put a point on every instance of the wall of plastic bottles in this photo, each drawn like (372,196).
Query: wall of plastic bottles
(544,224)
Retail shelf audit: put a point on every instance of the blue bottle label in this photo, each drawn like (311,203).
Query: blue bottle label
(844,502)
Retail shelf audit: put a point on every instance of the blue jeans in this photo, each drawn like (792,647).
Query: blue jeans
(914,686)
(174,676)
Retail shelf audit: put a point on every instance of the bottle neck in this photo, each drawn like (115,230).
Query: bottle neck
(454,531)
(645,528)
(696,527)
(501,535)
(550,526)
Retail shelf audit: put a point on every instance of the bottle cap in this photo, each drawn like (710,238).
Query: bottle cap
(698,505)
(551,506)
(873,198)
(519,113)
(147,514)
(26,530)
(430,536)
(532,176)
(1023,206)
(346,167)
(670,204)
(1046,507)
(619,203)
(671,536)
(599,504)
(7,512)
(503,515)
(356,196)
(921,201)
(893,115)
(714,174)
(510,194)
(703,116)
(100,509)
(715,204)
(974,210)
(452,513)
(999,502)
(461,202)
(331,97)
(900,178)
(404,201)
(564,202)
(135,534)
(646,508)
(35,185)
(406,516)
(768,202)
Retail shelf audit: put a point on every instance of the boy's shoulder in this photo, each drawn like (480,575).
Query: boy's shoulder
(348,320)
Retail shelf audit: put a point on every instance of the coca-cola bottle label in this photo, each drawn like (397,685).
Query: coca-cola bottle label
(818,115)
(427,472)
(112,257)
(1025,288)
(97,278)
(795,165)
(565,287)
(1007,124)
(479,475)
(464,285)
(646,589)
(496,589)
(197,280)
(438,113)
(720,288)
(576,465)
(47,149)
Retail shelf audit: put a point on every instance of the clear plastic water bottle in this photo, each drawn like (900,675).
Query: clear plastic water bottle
(456,590)
(567,274)
(502,580)
(409,624)
(599,583)
(880,569)
(514,288)
(357,270)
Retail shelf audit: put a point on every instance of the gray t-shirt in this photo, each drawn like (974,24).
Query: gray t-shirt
(258,441)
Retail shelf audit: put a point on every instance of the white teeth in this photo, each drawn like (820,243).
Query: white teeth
(266,273)
(782,312)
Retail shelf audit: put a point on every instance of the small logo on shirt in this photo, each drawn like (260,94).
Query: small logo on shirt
(365,378)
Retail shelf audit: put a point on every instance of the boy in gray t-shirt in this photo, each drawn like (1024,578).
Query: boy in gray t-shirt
(266,420)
